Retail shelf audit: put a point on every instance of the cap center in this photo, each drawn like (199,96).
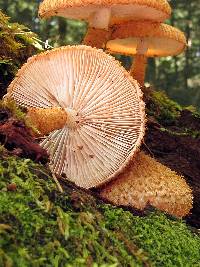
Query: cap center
(72,118)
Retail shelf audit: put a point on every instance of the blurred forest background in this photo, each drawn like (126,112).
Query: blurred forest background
(178,76)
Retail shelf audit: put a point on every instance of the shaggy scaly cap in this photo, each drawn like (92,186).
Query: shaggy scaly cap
(121,10)
(150,182)
(105,120)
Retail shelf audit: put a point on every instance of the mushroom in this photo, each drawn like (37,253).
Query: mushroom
(100,14)
(149,182)
(91,107)
(145,39)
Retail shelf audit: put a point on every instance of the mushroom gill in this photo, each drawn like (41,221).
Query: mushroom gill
(87,106)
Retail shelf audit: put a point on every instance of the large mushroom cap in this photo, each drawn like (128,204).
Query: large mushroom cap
(160,39)
(157,10)
(150,182)
(103,103)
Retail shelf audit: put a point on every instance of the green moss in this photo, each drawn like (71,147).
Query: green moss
(167,113)
(194,111)
(41,227)
(162,108)
(183,132)
(11,106)
(168,242)
(17,44)
(7,68)
(17,113)
(14,37)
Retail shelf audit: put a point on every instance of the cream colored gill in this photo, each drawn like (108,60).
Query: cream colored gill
(106,12)
(105,115)
(114,14)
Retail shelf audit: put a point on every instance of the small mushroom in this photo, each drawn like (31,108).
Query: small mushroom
(148,182)
(101,14)
(145,39)
(90,108)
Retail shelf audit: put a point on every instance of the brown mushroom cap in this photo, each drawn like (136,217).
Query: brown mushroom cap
(104,104)
(121,10)
(150,182)
(161,39)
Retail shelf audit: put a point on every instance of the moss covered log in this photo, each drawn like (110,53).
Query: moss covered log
(41,227)
(173,138)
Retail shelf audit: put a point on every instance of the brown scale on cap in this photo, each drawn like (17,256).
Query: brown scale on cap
(148,182)
(89,107)
(103,13)
(145,39)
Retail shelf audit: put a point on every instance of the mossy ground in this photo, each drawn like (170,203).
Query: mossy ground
(160,107)
(17,113)
(41,227)
(173,138)
(168,114)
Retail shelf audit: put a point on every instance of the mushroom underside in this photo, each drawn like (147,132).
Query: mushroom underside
(105,118)
(157,46)
(119,13)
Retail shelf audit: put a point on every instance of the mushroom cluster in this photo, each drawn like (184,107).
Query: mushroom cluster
(102,14)
(88,108)
(127,27)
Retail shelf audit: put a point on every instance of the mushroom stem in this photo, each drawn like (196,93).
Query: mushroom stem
(96,37)
(138,68)
(47,119)
(101,19)
(98,32)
